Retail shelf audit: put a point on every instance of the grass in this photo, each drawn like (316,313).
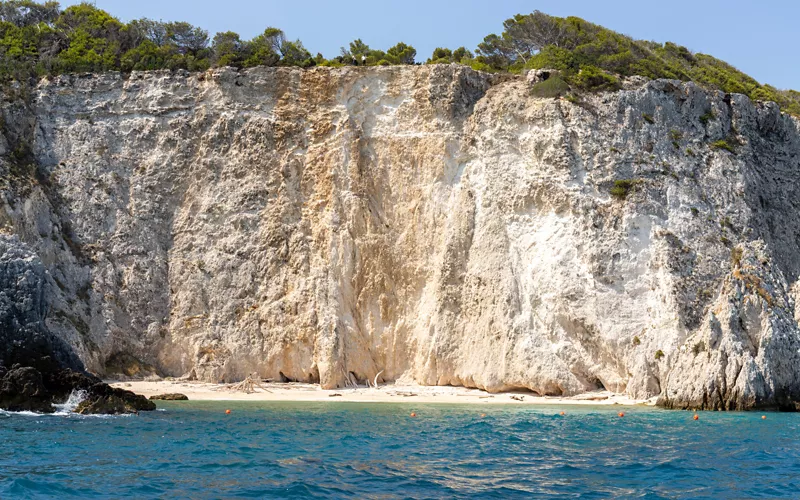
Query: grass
(659,354)
(707,117)
(648,118)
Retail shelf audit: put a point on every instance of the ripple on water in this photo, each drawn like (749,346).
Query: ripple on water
(334,450)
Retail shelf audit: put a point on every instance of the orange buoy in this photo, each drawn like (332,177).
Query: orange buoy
(562,413)
(763,417)
(413,414)
(621,414)
(483,415)
(227,412)
(696,416)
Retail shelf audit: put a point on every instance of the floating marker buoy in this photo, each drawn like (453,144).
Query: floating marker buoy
(413,414)
(227,412)
(763,417)
(483,415)
(621,414)
(696,416)
(562,413)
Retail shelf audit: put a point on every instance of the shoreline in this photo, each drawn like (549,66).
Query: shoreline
(388,393)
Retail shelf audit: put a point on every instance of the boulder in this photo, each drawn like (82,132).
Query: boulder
(106,400)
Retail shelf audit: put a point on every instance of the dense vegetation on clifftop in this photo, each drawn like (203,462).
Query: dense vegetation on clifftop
(38,39)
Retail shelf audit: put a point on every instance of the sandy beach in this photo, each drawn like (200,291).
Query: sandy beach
(389,393)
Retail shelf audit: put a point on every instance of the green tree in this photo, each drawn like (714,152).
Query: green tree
(294,54)
(440,55)
(496,51)
(264,50)
(147,29)
(445,56)
(94,39)
(228,49)
(28,13)
(357,49)
(401,54)
(187,39)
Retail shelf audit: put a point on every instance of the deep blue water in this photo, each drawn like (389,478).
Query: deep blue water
(351,450)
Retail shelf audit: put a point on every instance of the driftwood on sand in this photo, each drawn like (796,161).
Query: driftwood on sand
(248,385)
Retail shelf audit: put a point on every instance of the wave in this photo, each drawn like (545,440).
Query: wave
(65,409)
(75,398)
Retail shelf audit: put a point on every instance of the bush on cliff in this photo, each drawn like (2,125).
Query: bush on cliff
(572,45)
(39,39)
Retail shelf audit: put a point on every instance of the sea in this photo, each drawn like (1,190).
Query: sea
(357,450)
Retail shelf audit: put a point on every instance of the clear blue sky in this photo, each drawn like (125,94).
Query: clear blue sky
(758,37)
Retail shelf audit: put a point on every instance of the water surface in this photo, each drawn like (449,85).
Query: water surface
(346,450)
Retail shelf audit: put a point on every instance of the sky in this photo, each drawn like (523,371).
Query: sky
(758,37)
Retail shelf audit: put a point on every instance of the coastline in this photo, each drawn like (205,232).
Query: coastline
(389,393)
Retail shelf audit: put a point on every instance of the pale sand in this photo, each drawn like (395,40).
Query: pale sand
(390,393)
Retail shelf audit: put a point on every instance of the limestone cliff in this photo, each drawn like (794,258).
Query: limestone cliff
(431,224)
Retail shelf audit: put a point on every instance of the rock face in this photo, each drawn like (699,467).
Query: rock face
(37,369)
(431,224)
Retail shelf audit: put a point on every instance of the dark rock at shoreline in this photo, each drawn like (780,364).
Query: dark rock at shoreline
(22,389)
(38,369)
(170,397)
(106,400)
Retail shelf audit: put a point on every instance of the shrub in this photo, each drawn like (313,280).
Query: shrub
(707,117)
(659,354)
(623,187)
(555,86)
(723,144)
(636,340)
(698,348)
(648,118)
(594,79)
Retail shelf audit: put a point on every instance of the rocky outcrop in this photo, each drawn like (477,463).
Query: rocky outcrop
(429,224)
(106,400)
(37,369)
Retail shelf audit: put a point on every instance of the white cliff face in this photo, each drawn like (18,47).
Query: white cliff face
(433,224)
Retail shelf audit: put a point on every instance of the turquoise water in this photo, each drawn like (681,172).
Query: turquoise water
(349,450)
